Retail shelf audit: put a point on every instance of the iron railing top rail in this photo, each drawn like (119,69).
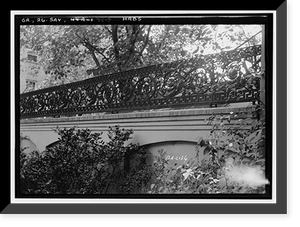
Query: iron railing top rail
(214,78)
(95,79)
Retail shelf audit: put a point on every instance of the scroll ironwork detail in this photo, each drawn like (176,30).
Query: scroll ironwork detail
(211,79)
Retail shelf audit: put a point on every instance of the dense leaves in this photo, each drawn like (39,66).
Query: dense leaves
(76,52)
(234,163)
(193,177)
(82,163)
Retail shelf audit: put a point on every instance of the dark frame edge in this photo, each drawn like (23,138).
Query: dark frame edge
(279,207)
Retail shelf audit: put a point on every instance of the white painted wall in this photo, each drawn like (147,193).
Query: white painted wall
(28,146)
(181,127)
(30,70)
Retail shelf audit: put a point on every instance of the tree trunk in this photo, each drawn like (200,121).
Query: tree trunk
(133,37)
(114,30)
(95,58)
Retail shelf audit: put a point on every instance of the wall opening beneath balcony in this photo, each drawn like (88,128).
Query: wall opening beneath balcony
(176,151)
(27,145)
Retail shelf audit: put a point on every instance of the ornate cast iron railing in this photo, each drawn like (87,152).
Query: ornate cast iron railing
(205,80)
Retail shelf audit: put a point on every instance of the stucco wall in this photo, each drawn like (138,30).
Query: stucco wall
(176,130)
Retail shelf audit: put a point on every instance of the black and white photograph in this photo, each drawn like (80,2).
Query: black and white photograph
(144,105)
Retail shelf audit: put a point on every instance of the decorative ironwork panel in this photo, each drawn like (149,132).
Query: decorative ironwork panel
(210,79)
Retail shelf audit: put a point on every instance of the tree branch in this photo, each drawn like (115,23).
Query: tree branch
(133,38)
(88,45)
(146,41)
(247,41)
(115,40)
(108,29)
(92,50)
(95,58)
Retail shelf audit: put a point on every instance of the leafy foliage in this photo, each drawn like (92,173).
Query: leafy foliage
(238,151)
(235,164)
(82,163)
(75,52)
(193,177)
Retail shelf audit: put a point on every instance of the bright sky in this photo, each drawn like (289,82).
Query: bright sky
(223,37)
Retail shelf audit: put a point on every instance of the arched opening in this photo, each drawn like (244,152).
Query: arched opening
(27,146)
(176,151)
(52,144)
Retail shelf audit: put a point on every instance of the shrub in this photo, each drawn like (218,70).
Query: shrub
(82,163)
(192,177)
(238,152)
(236,162)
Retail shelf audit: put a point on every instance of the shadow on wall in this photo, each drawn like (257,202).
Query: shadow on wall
(52,144)
(179,152)
(28,146)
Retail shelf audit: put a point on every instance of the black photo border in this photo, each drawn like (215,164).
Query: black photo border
(267,19)
(279,207)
